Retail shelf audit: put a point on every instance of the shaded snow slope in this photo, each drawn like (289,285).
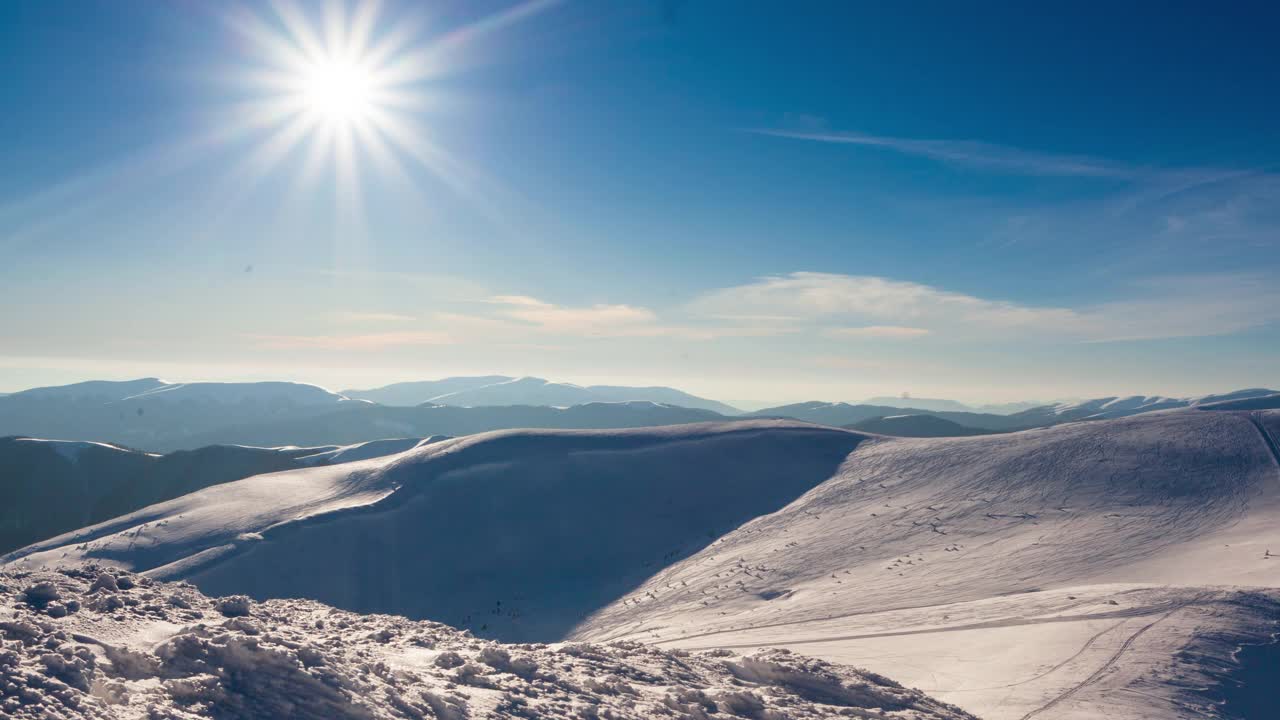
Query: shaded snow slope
(53,486)
(516,534)
(88,643)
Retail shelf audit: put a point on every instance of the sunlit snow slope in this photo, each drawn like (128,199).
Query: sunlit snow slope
(1052,573)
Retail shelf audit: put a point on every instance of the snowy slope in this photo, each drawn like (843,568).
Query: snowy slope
(1085,570)
(944,520)
(52,486)
(543,526)
(1003,572)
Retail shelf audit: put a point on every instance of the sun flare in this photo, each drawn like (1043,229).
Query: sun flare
(336,79)
(336,88)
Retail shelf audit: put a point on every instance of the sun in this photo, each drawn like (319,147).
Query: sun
(338,91)
(336,87)
(335,79)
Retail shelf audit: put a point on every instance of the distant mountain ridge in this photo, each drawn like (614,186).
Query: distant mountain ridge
(920,403)
(371,422)
(842,414)
(497,390)
(164,417)
(155,415)
(160,416)
(943,405)
(408,394)
(1124,406)
(153,389)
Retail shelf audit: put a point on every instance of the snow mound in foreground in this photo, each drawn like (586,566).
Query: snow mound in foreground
(89,642)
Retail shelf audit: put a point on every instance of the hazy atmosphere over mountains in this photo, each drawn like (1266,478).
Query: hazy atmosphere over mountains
(575,360)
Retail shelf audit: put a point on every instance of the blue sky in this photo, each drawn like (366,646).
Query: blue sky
(832,201)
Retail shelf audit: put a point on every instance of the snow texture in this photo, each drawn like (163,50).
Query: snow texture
(93,642)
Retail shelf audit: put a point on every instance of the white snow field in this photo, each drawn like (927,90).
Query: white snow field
(1094,569)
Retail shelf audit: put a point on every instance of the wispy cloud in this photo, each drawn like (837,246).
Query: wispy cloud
(617,321)
(372,317)
(591,320)
(974,153)
(897,332)
(371,341)
(831,304)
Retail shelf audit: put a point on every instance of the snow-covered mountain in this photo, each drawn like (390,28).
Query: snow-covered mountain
(52,486)
(156,415)
(489,391)
(920,403)
(1057,572)
(370,422)
(1114,407)
(408,394)
(841,414)
(943,405)
(153,390)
